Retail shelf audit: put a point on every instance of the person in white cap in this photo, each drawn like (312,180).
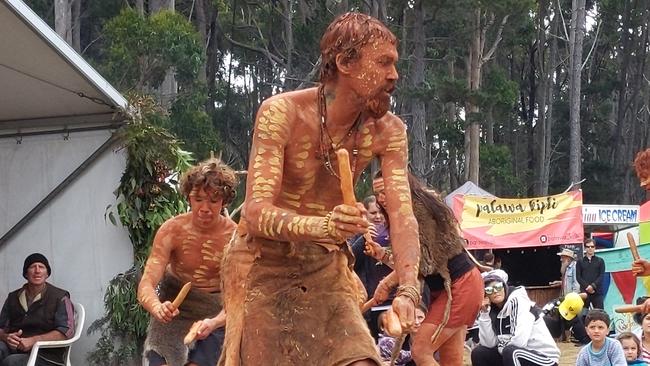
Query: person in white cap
(569,280)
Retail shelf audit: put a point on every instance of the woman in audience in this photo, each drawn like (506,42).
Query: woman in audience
(369,269)
(512,329)
(453,283)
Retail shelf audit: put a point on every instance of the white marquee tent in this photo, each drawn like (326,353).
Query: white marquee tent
(58,167)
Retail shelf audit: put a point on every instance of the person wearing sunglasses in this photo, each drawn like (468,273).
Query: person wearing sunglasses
(590,271)
(512,329)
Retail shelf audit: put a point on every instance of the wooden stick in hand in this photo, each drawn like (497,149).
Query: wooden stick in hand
(192,333)
(629,309)
(368,305)
(392,325)
(347,188)
(633,247)
(182,294)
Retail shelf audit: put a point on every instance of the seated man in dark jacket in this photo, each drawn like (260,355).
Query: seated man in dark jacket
(36,312)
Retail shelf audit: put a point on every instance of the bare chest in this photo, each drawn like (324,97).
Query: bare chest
(310,180)
(197,258)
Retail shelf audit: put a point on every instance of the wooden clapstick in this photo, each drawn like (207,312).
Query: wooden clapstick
(629,309)
(392,325)
(347,188)
(192,333)
(368,305)
(633,247)
(182,294)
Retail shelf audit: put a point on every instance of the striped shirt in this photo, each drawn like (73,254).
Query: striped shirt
(645,354)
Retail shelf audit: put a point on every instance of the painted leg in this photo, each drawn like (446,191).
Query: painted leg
(422,350)
(237,262)
(451,352)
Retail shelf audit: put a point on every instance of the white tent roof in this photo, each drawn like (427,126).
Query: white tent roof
(44,83)
(467,188)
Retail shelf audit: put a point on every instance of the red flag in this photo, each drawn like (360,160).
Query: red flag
(626,283)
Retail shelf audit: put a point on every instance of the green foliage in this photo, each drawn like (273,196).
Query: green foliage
(498,90)
(147,197)
(452,90)
(450,131)
(140,50)
(189,122)
(125,322)
(496,169)
(42,7)
(597,187)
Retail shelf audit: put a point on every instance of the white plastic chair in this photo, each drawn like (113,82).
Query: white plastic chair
(79,317)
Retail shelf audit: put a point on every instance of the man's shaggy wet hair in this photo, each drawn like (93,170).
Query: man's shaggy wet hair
(214,176)
(347,34)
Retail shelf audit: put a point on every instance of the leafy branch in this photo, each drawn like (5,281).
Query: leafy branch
(146,197)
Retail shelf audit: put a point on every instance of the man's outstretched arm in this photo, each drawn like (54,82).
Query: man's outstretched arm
(404,227)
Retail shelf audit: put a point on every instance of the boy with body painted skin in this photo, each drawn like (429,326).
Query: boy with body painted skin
(189,248)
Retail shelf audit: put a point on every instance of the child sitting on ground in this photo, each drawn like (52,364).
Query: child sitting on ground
(631,348)
(601,351)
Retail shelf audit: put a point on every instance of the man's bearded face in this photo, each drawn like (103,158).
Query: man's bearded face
(378,106)
(376,75)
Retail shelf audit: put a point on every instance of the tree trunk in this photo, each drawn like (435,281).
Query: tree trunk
(631,191)
(213,59)
(304,12)
(139,7)
(477,58)
(381,10)
(473,128)
(544,79)
(532,100)
(620,131)
(489,140)
(578,19)
(202,27)
(76,25)
(287,16)
(63,19)
(169,87)
(375,8)
(450,109)
(548,134)
(157,5)
(340,7)
(489,122)
(418,131)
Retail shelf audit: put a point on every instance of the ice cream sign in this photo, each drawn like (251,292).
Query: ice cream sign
(610,214)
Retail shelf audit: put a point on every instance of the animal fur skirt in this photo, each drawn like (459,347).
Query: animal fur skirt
(291,304)
(166,339)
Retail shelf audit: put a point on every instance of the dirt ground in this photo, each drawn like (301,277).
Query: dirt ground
(568,358)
